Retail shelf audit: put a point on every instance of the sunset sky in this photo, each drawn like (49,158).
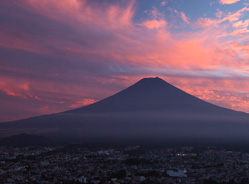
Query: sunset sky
(57,55)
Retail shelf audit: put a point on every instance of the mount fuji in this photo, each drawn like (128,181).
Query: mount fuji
(151,109)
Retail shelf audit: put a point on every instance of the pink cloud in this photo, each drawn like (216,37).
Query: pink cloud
(14,88)
(204,22)
(219,13)
(155,24)
(163,3)
(44,108)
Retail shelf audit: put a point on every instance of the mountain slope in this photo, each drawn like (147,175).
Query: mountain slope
(150,109)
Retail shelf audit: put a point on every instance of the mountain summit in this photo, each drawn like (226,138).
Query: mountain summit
(151,109)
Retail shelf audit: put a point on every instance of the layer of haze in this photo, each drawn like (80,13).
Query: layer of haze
(59,55)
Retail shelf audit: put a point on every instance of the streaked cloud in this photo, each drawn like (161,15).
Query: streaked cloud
(183,16)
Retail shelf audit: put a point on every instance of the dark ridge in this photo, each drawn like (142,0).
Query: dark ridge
(23,139)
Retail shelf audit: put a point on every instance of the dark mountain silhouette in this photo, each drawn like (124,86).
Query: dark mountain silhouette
(24,140)
(150,109)
(152,94)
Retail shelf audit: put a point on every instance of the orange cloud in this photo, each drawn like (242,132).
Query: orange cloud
(229,1)
(240,32)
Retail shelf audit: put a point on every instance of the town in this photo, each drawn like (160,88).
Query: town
(122,165)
